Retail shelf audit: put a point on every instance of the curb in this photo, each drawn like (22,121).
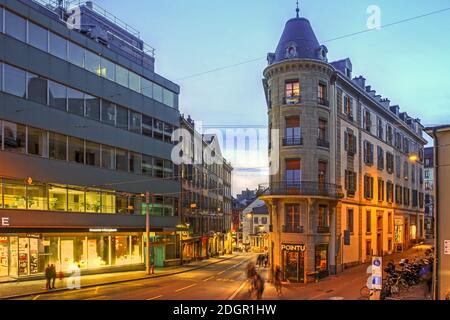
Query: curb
(115,282)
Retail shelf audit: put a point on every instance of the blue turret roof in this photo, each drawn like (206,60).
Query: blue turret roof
(298,41)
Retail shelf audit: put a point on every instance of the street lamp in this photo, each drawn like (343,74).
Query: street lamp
(413,158)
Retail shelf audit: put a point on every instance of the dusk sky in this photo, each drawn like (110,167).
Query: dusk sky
(407,63)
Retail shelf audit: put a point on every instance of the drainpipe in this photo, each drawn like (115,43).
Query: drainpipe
(436,224)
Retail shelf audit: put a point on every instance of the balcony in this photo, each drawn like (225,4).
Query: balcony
(293,228)
(304,188)
(292,100)
(292,141)
(323,143)
(323,102)
(322,229)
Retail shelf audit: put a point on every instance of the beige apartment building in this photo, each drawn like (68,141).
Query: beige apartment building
(349,183)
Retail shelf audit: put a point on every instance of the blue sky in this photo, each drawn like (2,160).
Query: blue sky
(407,63)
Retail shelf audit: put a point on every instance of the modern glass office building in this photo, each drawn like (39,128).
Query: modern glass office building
(85,131)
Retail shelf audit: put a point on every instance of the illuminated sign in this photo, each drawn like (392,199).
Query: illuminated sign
(102,230)
(294,247)
(4,221)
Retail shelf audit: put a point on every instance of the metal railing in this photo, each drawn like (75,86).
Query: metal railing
(323,143)
(292,141)
(296,228)
(323,102)
(305,188)
(292,100)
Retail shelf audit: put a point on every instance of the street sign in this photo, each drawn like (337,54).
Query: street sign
(377,273)
(446,247)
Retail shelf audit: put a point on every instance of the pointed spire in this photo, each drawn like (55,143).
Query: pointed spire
(298,10)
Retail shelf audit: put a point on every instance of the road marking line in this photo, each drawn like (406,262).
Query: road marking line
(221,272)
(207,279)
(157,297)
(237,291)
(37,297)
(190,286)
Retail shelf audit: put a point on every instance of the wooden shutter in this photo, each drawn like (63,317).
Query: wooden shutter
(293,164)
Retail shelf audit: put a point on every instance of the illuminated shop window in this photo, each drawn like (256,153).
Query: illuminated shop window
(76,201)
(108,203)
(93,201)
(14,194)
(57,198)
(36,197)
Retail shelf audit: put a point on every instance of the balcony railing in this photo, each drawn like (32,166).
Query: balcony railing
(322,229)
(293,228)
(305,188)
(292,141)
(323,143)
(292,100)
(323,102)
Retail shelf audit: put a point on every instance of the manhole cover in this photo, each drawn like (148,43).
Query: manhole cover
(336,298)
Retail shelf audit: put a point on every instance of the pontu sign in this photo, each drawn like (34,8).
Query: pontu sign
(4,222)
(293,247)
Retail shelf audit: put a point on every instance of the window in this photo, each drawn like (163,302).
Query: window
(121,117)
(406,170)
(57,146)
(168,169)
(37,89)
(367,122)
(379,128)
(108,112)
(350,142)
(57,96)
(57,198)
(93,62)
(380,190)
(348,106)
(323,217)
(76,200)
(292,217)
(398,140)
(15,137)
(389,134)
(135,82)
(398,194)
(135,122)
(390,222)
(169,98)
(135,163)
(92,107)
(36,197)
(108,158)
(76,54)
(415,198)
(147,88)
(398,166)
(380,158)
(368,221)
(147,165)
(368,153)
(147,125)
(368,248)
(420,176)
(122,76)
(293,173)
(58,46)
(368,187)
(14,81)
(322,94)
(37,36)
(15,26)
(264,220)
(37,142)
(255,220)
(406,145)
(75,102)
(350,217)
(292,88)
(389,162)
(108,69)
(421,200)
(323,124)
(122,160)
(350,182)
(14,194)
(76,150)
(158,167)
(293,131)
(406,194)
(389,192)
(1,26)
(322,173)
(93,154)
(157,93)
(427,174)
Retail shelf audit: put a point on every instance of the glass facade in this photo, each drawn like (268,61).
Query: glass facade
(26,255)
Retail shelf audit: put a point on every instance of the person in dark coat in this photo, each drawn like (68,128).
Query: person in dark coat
(53,275)
(48,277)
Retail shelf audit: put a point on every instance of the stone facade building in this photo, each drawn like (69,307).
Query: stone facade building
(429,192)
(346,166)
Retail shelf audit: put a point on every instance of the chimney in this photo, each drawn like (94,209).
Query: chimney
(395,109)
(90,5)
(385,103)
(360,81)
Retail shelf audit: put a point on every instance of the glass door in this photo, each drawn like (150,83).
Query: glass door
(13,257)
(24,268)
(293,266)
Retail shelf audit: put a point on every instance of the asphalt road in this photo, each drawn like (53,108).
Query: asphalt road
(214,282)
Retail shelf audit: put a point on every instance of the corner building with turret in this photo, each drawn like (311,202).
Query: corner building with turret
(346,165)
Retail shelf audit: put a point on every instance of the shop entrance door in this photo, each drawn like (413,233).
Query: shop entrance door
(293,266)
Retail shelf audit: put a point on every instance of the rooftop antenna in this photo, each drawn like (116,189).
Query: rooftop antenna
(298,10)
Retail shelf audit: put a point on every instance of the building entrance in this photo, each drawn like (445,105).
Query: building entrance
(293,262)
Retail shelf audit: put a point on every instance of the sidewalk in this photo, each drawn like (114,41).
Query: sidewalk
(26,288)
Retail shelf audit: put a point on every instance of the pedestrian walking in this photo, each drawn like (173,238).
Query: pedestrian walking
(259,282)
(277,281)
(266,260)
(427,277)
(53,276)
(48,277)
